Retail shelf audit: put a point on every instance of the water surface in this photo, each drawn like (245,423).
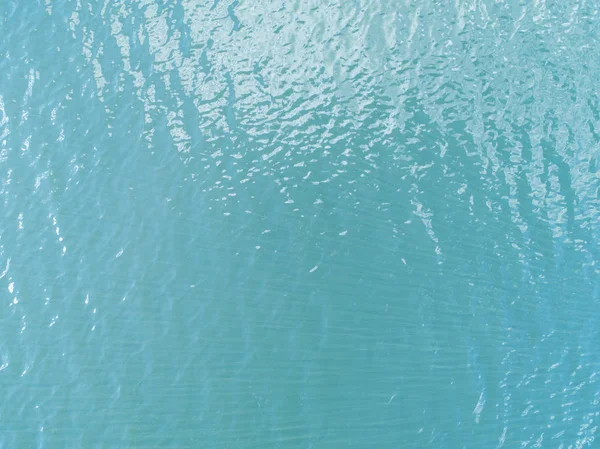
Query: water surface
(277,224)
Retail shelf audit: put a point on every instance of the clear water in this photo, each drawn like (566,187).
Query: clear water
(284,224)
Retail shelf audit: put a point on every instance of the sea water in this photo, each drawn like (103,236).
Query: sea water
(299,224)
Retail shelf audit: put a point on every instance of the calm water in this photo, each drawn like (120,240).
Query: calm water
(283,224)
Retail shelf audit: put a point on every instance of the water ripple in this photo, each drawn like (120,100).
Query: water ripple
(296,223)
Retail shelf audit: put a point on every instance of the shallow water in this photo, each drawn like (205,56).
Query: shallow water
(235,224)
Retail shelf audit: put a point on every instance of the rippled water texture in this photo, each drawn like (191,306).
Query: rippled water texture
(284,224)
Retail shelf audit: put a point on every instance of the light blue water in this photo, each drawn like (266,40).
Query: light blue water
(277,224)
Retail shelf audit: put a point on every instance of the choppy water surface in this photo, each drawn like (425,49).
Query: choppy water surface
(281,224)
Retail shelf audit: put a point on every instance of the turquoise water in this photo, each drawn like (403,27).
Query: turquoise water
(343,224)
